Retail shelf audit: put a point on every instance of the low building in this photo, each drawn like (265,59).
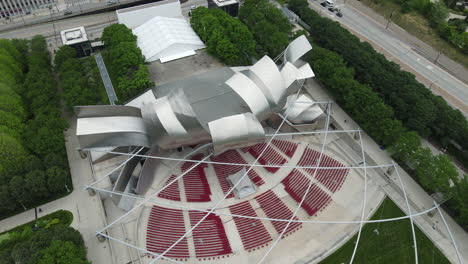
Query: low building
(77,39)
(229,6)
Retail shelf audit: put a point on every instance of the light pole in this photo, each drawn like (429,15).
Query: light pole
(389,18)
(438,55)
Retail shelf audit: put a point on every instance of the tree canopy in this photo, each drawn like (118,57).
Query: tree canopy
(225,37)
(271,29)
(125,62)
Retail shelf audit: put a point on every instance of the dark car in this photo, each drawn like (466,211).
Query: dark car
(339,14)
(68,12)
(324,4)
(331,9)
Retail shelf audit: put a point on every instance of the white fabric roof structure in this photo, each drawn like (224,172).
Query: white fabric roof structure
(167,39)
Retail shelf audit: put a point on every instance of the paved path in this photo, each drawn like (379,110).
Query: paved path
(452,89)
(106,79)
(433,227)
(88,215)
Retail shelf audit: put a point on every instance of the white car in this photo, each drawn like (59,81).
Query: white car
(193,7)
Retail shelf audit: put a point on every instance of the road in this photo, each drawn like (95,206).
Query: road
(48,29)
(454,91)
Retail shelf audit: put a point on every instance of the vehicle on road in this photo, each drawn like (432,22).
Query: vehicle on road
(338,13)
(111,2)
(324,4)
(68,12)
(193,7)
(331,9)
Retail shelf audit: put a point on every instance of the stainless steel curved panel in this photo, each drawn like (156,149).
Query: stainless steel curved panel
(112,131)
(235,131)
(147,172)
(106,110)
(267,71)
(187,117)
(251,94)
(296,50)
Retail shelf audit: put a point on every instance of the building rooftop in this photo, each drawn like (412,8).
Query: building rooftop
(73,36)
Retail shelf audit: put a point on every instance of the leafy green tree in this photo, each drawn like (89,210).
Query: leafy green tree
(270,28)
(63,54)
(405,146)
(63,252)
(57,178)
(13,157)
(36,183)
(225,37)
(436,172)
(117,33)
(437,12)
(460,197)
(7,202)
(19,191)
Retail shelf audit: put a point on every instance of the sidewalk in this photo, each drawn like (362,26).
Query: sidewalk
(419,200)
(88,215)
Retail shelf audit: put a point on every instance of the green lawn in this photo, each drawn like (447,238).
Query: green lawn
(393,243)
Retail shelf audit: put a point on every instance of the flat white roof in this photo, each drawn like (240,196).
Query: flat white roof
(224,2)
(73,35)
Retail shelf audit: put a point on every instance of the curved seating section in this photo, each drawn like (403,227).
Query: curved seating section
(270,157)
(172,192)
(296,185)
(309,158)
(287,147)
(223,171)
(165,227)
(209,237)
(333,179)
(252,231)
(275,208)
(196,184)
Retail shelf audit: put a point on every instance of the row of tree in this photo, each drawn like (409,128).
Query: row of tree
(270,28)
(125,62)
(34,163)
(413,103)
(79,83)
(436,12)
(380,120)
(226,38)
(58,244)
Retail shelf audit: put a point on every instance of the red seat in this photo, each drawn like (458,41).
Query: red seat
(252,232)
(165,227)
(209,236)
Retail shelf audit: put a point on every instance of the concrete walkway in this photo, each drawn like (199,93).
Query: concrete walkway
(88,215)
(419,200)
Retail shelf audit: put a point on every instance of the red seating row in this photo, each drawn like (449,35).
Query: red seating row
(287,147)
(275,208)
(269,157)
(196,184)
(296,185)
(166,226)
(333,179)
(172,192)
(252,232)
(209,237)
(223,171)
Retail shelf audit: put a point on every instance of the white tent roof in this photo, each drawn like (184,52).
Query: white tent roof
(165,37)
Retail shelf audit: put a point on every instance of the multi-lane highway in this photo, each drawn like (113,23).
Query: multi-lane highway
(453,90)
